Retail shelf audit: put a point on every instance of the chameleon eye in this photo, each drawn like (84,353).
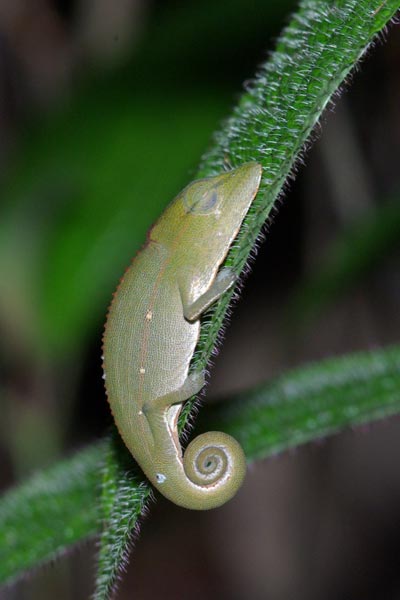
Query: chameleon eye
(200,198)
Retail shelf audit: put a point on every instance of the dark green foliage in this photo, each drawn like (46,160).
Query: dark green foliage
(312,402)
(54,510)
(362,247)
(271,124)
(98,205)
(275,117)
(50,512)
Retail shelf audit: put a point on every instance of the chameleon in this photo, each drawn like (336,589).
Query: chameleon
(151,332)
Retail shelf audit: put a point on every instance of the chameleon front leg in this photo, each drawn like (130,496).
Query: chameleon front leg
(223,281)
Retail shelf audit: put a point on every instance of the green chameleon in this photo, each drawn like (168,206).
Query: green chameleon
(152,330)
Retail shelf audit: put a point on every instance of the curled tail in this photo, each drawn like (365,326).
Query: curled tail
(210,473)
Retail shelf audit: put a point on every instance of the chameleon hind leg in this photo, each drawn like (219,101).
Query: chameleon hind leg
(192,385)
(163,412)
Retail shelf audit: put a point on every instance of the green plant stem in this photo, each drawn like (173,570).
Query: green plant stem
(54,510)
(271,124)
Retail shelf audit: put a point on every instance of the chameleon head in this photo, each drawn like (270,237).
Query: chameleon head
(210,209)
(225,196)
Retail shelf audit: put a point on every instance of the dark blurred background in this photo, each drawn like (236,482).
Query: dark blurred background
(105,109)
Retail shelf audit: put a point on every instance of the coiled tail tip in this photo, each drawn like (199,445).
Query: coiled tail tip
(215,466)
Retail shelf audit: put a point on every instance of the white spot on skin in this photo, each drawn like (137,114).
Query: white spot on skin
(160,477)
(104,376)
(142,370)
(149,315)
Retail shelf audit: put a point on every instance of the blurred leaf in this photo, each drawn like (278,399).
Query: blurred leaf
(55,509)
(87,169)
(111,169)
(50,513)
(311,402)
(362,247)
(127,181)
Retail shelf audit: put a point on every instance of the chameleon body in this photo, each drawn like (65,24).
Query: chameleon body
(152,330)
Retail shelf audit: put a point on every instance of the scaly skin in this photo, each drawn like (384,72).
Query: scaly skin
(152,330)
